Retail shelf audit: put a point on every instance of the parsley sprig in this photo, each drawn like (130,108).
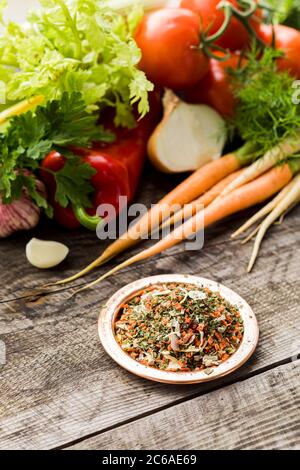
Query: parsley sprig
(29,137)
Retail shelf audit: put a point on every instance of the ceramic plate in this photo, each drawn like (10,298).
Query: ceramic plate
(108,315)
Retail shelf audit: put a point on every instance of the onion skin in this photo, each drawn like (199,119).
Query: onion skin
(21,214)
(170,101)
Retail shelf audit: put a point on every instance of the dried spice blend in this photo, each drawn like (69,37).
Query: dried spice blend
(179,327)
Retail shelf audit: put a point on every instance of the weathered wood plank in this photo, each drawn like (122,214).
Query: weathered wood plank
(58,385)
(259,413)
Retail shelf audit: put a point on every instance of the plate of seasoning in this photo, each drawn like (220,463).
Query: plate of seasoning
(179,329)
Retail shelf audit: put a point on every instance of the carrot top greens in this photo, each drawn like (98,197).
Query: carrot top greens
(179,327)
(267,113)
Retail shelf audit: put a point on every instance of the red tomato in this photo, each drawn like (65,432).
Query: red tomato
(169,40)
(288,40)
(236,37)
(215,88)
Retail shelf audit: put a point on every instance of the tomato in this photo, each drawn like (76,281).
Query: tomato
(215,89)
(169,40)
(288,40)
(236,37)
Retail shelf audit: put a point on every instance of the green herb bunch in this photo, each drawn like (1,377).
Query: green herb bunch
(75,46)
(30,137)
(285,11)
(266,113)
(80,56)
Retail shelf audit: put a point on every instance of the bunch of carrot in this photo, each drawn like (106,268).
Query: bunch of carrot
(221,188)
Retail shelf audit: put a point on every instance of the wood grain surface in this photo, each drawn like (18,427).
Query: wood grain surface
(58,388)
(261,412)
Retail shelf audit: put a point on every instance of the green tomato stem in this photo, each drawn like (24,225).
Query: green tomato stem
(228,15)
(252,7)
(230,11)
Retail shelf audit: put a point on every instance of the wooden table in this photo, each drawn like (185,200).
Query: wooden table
(58,388)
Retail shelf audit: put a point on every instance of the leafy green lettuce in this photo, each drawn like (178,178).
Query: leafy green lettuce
(75,46)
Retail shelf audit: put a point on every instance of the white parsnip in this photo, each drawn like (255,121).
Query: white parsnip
(263,212)
(282,217)
(251,235)
(289,200)
(277,154)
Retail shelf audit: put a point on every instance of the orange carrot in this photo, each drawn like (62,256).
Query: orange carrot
(196,184)
(203,201)
(243,197)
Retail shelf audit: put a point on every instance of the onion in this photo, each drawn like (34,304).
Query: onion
(174,341)
(188,137)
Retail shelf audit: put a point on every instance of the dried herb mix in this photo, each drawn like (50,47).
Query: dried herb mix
(179,327)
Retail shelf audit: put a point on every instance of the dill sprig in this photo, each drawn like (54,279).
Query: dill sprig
(284,11)
(266,113)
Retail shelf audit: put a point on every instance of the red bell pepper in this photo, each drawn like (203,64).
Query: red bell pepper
(110,182)
(118,169)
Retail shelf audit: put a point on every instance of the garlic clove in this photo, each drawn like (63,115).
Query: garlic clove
(45,254)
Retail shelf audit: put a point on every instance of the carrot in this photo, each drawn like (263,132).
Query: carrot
(270,159)
(250,194)
(195,185)
(288,200)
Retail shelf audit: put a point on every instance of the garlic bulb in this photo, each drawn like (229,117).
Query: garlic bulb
(21,214)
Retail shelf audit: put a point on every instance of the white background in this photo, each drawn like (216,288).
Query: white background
(16,9)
